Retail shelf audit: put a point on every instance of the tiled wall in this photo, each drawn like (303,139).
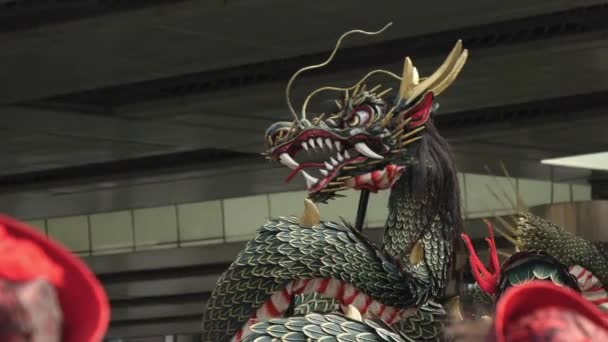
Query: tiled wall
(233,219)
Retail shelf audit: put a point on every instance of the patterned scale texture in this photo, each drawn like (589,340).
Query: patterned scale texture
(426,324)
(540,235)
(283,250)
(406,224)
(525,266)
(306,303)
(326,328)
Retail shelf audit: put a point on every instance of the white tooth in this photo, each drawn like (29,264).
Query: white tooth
(324,172)
(340,157)
(328,166)
(310,180)
(320,142)
(346,155)
(288,161)
(366,151)
(328,143)
(305,145)
(311,142)
(338,145)
(333,161)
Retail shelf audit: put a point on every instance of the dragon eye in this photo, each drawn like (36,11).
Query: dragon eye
(277,132)
(360,116)
(280,134)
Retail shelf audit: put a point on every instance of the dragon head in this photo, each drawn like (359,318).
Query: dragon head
(363,142)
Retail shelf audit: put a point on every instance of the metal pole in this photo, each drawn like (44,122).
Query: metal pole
(362,209)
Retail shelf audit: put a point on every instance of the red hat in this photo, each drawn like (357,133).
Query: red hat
(541,306)
(26,255)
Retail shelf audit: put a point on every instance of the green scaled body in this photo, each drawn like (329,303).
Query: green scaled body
(526,266)
(425,324)
(306,303)
(539,235)
(283,251)
(331,327)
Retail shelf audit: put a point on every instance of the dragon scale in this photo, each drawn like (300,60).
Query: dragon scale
(287,258)
(371,140)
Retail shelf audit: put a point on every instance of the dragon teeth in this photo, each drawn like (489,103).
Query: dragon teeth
(346,155)
(310,180)
(328,166)
(324,172)
(340,158)
(320,142)
(328,143)
(366,151)
(304,145)
(311,142)
(288,161)
(338,145)
(333,161)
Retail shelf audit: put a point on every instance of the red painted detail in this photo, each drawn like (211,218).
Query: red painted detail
(589,276)
(392,317)
(323,285)
(238,335)
(599,301)
(420,112)
(272,310)
(486,279)
(530,302)
(581,274)
(349,300)
(340,295)
(368,302)
(377,176)
(286,296)
(302,286)
(381,311)
(357,181)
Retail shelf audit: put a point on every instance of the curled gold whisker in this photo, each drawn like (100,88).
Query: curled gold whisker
(346,89)
(407,142)
(399,129)
(326,62)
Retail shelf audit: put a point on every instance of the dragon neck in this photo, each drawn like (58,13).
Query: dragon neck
(424,206)
(407,216)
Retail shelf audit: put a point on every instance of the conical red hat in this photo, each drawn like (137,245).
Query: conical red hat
(525,299)
(26,254)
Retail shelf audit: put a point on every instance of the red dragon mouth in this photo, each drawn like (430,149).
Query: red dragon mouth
(332,154)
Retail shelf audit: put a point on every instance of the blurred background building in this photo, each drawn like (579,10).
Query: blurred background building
(131,130)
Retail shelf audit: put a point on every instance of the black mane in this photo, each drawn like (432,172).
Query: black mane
(435,174)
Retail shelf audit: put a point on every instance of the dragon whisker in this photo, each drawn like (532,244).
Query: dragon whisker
(399,128)
(506,224)
(343,178)
(387,119)
(407,142)
(409,134)
(335,189)
(375,88)
(356,90)
(385,92)
(505,254)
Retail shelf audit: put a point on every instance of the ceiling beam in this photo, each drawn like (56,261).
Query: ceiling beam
(190,37)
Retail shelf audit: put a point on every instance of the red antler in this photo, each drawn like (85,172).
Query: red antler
(486,279)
